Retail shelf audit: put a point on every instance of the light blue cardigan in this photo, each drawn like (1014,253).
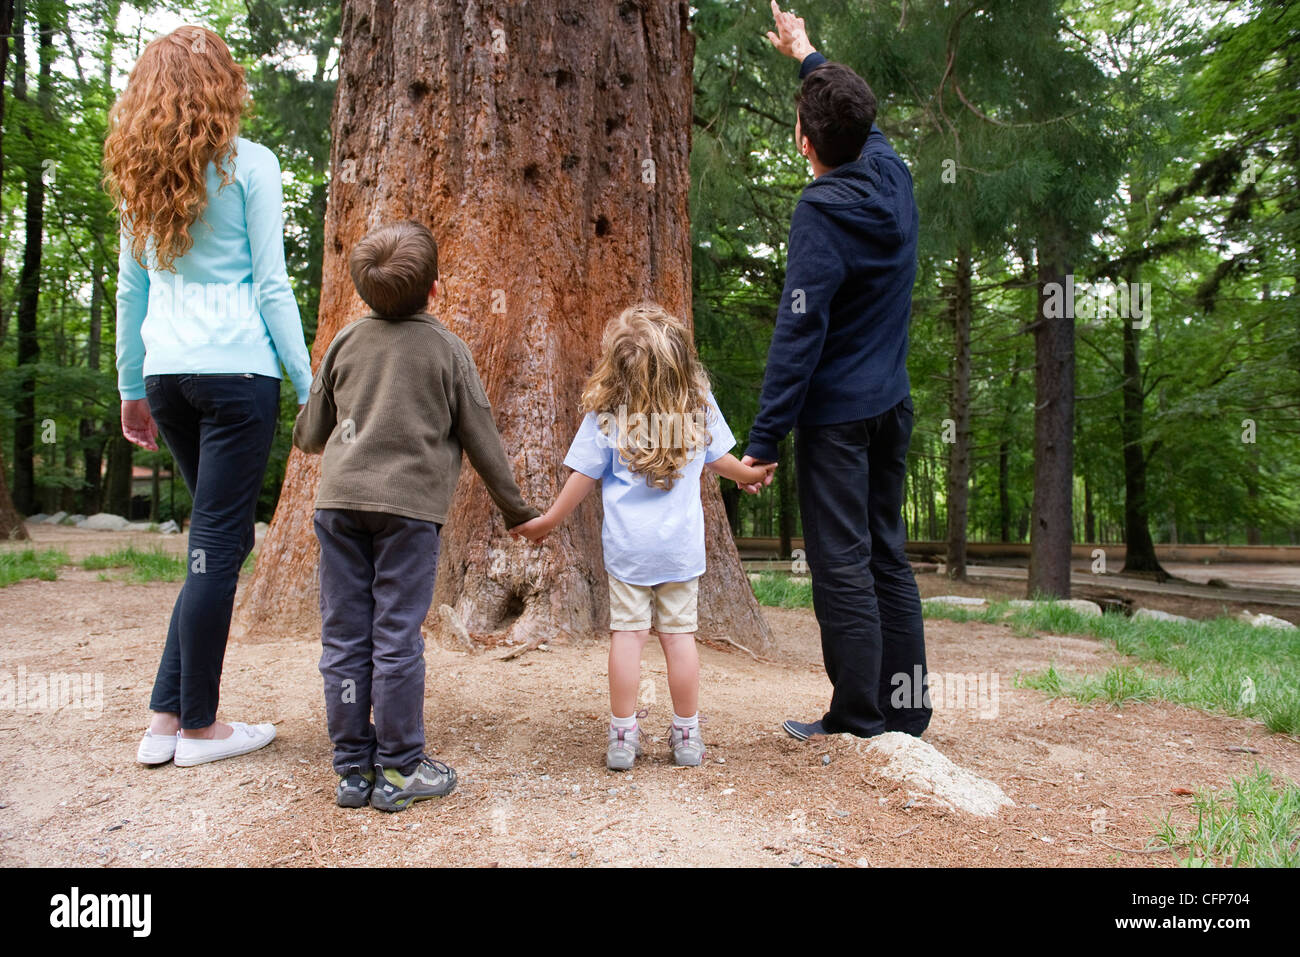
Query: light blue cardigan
(228,306)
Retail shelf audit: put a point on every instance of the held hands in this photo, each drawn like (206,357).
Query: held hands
(790,38)
(138,424)
(763,471)
(535,529)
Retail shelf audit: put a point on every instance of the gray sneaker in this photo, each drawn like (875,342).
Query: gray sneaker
(354,789)
(687,745)
(395,791)
(624,747)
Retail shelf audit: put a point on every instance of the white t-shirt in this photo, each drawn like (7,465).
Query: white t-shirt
(650,535)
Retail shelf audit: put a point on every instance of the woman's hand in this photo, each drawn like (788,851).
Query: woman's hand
(790,38)
(138,424)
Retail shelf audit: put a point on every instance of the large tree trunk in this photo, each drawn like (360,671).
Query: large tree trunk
(11,523)
(1139,549)
(1051,527)
(547,146)
(959,412)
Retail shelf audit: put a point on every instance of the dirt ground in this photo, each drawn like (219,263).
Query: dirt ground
(1089,784)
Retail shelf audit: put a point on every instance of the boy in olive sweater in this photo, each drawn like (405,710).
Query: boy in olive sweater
(396,399)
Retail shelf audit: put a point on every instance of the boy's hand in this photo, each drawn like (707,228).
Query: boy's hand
(791,38)
(535,529)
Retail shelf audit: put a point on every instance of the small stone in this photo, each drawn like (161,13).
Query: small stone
(841,813)
(826,759)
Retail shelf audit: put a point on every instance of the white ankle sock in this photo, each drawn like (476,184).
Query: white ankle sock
(692,722)
(628,722)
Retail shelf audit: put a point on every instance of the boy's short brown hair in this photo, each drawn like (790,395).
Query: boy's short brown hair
(393,268)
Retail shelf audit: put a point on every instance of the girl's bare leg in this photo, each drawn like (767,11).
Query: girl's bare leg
(625,670)
(683,672)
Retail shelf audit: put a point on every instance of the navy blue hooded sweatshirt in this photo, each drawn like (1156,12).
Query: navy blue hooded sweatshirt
(839,350)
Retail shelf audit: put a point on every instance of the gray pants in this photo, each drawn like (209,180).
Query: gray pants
(376,584)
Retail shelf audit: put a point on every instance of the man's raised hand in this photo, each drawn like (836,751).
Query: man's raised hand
(790,38)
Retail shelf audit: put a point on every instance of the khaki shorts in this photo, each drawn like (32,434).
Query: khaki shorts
(672,604)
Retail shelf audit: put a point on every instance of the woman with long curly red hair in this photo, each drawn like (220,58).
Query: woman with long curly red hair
(205,318)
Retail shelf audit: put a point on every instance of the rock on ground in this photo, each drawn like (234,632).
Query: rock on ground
(1265,621)
(56,518)
(1081,605)
(1154,614)
(106,522)
(919,764)
(958,600)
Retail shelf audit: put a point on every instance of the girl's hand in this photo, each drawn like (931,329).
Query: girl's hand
(535,529)
(138,424)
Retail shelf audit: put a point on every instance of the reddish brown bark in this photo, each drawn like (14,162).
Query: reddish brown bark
(547,147)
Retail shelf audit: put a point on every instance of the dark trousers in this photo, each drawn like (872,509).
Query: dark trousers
(376,584)
(219,429)
(850,478)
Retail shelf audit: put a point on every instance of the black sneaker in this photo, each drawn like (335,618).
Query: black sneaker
(395,791)
(802,731)
(354,788)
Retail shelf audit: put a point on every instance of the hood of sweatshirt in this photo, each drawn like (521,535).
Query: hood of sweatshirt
(866,195)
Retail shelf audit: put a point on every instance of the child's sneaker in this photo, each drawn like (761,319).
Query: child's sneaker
(624,747)
(395,791)
(354,788)
(687,745)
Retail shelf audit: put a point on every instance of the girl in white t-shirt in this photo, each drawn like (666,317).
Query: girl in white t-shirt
(651,427)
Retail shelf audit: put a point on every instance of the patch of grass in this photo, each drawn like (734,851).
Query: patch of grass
(1221,665)
(1117,686)
(782,591)
(16,566)
(145,565)
(1255,823)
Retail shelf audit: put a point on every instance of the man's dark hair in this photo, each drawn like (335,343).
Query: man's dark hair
(836,110)
(393,268)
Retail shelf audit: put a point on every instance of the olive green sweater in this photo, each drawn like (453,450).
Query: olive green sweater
(393,404)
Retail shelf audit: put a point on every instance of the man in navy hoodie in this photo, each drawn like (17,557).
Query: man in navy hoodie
(837,374)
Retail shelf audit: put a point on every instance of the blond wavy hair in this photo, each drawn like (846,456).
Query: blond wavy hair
(180,111)
(650,392)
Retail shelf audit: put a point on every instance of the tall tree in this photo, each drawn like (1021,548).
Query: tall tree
(553,171)
(29,282)
(11,524)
